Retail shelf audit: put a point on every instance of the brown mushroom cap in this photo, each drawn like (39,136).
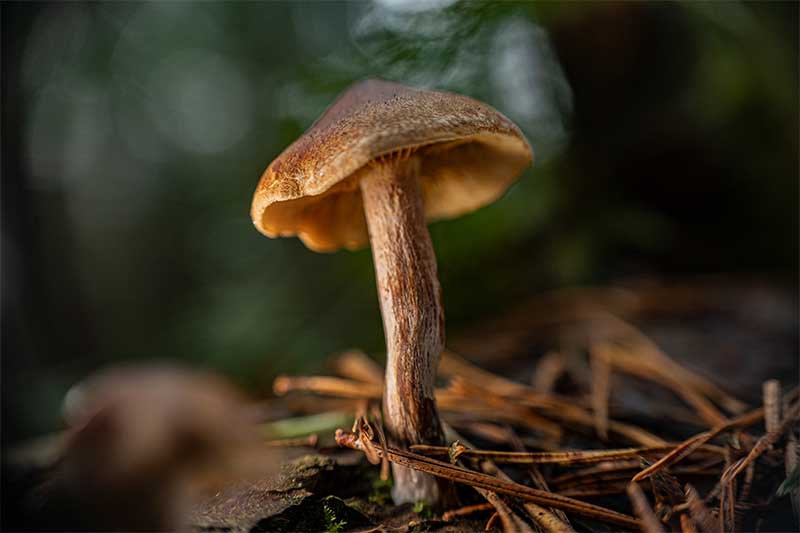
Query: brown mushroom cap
(470,154)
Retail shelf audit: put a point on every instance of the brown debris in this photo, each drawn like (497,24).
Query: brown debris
(522,492)
(687,524)
(647,518)
(727,499)
(690,445)
(601,389)
(494,408)
(468,510)
(635,361)
(565,458)
(310,441)
(550,521)
(358,366)
(772,404)
(341,388)
(492,519)
(549,369)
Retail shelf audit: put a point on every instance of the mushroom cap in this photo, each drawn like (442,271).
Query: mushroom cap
(470,154)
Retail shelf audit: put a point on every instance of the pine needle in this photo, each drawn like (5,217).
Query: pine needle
(688,446)
(475,479)
(647,518)
(564,458)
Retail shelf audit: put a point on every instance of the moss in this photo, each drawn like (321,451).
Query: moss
(424,510)
(381,492)
(332,524)
(329,514)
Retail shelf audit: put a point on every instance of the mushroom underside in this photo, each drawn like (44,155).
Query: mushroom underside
(455,178)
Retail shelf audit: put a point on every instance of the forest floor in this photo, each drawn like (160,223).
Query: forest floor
(646,406)
(688,389)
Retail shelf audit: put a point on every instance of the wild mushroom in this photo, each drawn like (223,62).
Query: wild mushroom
(380,162)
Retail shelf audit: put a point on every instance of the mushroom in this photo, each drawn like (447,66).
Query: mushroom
(380,162)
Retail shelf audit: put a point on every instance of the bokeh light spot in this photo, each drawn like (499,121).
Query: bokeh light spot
(200,100)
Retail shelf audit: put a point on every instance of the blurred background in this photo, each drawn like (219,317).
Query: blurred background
(134,134)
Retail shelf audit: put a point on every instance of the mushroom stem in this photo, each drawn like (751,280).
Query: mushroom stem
(413,319)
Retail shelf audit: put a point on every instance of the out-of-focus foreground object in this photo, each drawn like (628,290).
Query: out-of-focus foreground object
(142,444)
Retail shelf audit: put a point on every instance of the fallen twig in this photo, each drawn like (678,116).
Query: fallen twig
(548,521)
(565,458)
(512,523)
(461,475)
(559,520)
(465,511)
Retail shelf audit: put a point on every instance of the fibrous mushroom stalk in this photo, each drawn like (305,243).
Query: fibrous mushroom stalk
(413,319)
